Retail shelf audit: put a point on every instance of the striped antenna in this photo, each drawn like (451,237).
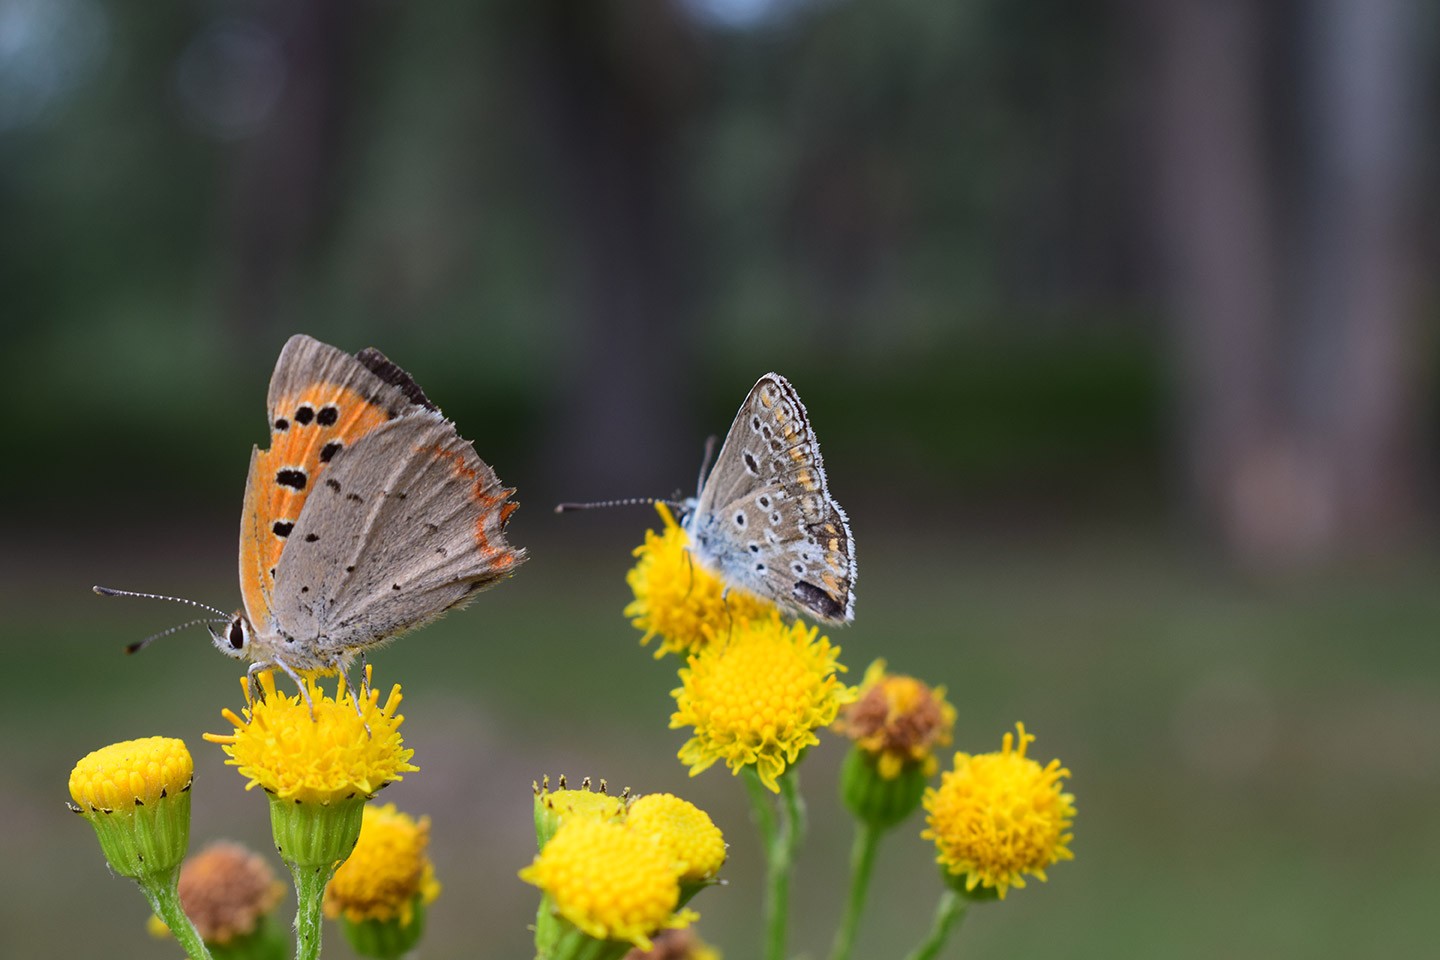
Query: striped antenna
(627,502)
(139,645)
(112,592)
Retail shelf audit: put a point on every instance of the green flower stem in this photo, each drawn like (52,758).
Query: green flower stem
(781,837)
(310,881)
(862,864)
(761,807)
(948,915)
(164,900)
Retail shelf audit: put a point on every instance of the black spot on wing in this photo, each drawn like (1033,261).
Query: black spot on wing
(282,528)
(817,601)
(333,484)
(304,415)
(282,424)
(328,415)
(291,478)
(327,452)
(311,537)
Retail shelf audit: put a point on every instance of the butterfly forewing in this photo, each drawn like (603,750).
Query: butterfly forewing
(321,400)
(765,519)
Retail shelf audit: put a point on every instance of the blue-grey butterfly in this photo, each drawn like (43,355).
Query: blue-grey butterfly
(764,520)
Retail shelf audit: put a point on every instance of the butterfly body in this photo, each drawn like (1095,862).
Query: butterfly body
(764,520)
(367,516)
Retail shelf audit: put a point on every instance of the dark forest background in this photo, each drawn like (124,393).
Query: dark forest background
(1116,320)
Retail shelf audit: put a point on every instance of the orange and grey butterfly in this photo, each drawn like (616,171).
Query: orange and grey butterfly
(367,516)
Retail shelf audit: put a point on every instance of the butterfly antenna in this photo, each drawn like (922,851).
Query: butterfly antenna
(139,645)
(709,458)
(627,502)
(112,592)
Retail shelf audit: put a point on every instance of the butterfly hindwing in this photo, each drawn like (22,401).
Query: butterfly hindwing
(765,519)
(403,525)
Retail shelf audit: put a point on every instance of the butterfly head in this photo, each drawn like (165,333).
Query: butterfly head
(234,637)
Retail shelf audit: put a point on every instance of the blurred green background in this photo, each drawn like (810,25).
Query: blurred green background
(1114,320)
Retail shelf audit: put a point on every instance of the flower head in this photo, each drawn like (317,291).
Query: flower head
(677,599)
(899,721)
(388,873)
(687,831)
(226,891)
(998,816)
(553,807)
(338,753)
(136,794)
(609,881)
(758,698)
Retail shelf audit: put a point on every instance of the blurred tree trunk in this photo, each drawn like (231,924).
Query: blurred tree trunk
(1295,350)
(1358,359)
(283,180)
(613,82)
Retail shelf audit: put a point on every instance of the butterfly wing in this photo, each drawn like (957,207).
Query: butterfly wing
(321,401)
(765,519)
(404,525)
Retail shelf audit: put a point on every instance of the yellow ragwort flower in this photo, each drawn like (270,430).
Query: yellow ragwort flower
(899,721)
(136,795)
(226,891)
(677,599)
(322,759)
(691,836)
(998,816)
(387,872)
(758,698)
(131,773)
(611,882)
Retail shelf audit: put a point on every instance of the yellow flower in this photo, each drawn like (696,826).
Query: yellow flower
(553,807)
(758,698)
(320,760)
(226,891)
(680,601)
(609,881)
(676,945)
(136,794)
(131,773)
(998,816)
(387,872)
(687,831)
(899,721)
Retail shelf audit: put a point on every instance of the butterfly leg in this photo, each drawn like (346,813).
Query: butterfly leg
(253,690)
(339,667)
(299,685)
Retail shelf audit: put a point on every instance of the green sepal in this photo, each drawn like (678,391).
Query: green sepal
(957,881)
(315,834)
(558,939)
(875,800)
(386,939)
(144,840)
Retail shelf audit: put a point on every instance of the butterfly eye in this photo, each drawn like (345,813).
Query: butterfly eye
(237,634)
